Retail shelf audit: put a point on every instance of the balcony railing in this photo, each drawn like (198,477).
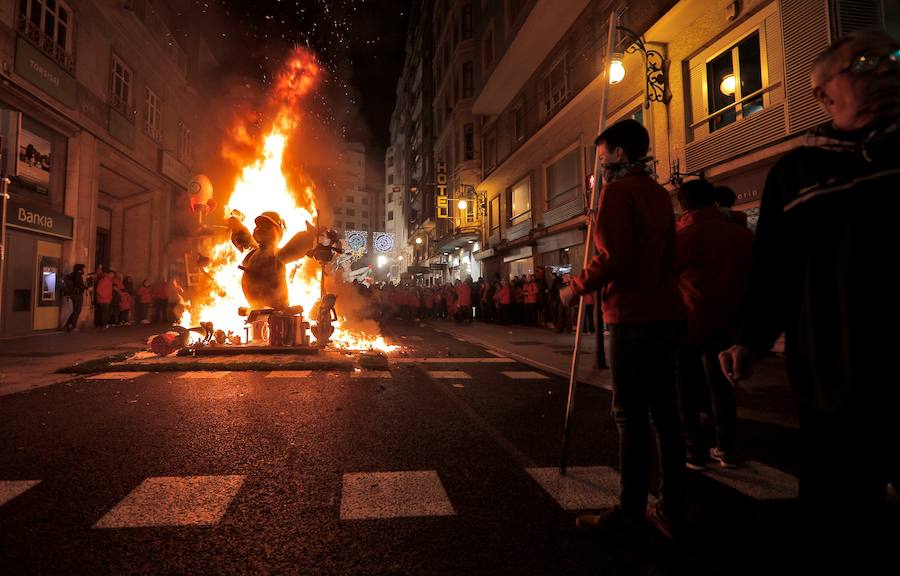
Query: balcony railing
(47,45)
(152,131)
(122,107)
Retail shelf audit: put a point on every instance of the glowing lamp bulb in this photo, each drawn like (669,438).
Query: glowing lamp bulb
(400,258)
(728,85)
(462,205)
(616,70)
(418,240)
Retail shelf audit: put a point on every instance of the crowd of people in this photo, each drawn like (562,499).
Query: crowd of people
(116,301)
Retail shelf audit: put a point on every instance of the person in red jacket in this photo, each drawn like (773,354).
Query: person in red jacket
(503,297)
(144,300)
(529,299)
(464,301)
(125,303)
(103,296)
(712,263)
(634,237)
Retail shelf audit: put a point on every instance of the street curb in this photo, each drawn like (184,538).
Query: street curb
(518,357)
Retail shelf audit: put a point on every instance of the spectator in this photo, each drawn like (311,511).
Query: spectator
(73,289)
(464,301)
(826,216)
(160,301)
(712,263)
(634,236)
(103,296)
(725,198)
(530,296)
(144,301)
(564,311)
(125,302)
(503,297)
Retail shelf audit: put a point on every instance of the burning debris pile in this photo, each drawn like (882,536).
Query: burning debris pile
(254,287)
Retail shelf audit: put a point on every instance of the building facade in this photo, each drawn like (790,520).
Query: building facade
(737,98)
(100,126)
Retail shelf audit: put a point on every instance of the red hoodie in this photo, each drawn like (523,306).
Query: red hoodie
(634,235)
(712,263)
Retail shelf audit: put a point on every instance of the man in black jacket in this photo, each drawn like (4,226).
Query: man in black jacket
(820,274)
(74,291)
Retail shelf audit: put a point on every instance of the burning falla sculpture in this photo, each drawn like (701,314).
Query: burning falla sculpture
(264,282)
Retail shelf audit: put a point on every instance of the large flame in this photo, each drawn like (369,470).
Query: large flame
(262,186)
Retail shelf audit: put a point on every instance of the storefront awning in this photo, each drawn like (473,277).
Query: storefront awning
(456,240)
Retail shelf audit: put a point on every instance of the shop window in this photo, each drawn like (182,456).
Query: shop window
(563,180)
(48,24)
(730,78)
(152,114)
(520,202)
(120,99)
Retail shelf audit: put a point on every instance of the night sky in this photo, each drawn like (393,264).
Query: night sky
(359,41)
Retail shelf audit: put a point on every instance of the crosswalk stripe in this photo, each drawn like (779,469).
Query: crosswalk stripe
(371,374)
(393,495)
(756,480)
(452,360)
(582,488)
(202,374)
(174,501)
(117,376)
(449,375)
(9,489)
(525,375)
(289,374)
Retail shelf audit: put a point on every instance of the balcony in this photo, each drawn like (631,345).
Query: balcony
(47,45)
(458,237)
(545,25)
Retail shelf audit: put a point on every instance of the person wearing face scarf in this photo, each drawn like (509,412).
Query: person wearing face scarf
(820,274)
(634,268)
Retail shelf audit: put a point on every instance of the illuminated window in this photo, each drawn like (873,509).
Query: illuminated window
(730,77)
(520,202)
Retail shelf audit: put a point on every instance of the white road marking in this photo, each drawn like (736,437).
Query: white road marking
(9,489)
(393,495)
(117,376)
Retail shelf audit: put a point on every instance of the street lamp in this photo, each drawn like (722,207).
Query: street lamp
(400,258)
(462,205)
(655,88)
(418,240)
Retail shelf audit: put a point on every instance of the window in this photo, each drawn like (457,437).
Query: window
(520,202)
(469,142)
(48,24)
(185,143)
(351,212)
(390,179)
(495,215)
(350,200)
(365,201)
(563,180)
(152,114)
(365,214)
(390,214)
(364,227)
(349,226)
(467,80)
(730,77)
(490,152)
(556,87)
(337,210)
(390,197)
(513,9)
(519,123)
(488,50)
(466,16)
(121,87)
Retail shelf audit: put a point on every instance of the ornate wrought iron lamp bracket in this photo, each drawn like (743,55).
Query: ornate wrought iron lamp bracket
(656,85)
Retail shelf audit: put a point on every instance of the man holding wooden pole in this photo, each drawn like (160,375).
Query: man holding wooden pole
(634,236)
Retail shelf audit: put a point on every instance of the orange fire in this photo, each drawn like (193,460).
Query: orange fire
(261,186)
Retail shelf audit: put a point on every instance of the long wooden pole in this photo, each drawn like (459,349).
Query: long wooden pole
(588,245)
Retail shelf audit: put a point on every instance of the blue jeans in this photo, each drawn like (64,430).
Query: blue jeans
(642,359)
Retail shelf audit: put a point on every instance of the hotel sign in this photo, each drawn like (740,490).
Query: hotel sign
(174,169)
(440,197)
(35,67)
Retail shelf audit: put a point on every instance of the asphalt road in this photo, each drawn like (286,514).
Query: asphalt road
(340,474)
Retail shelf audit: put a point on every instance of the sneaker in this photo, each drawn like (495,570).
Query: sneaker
(607,521)
(695,462)
(725,459)
(655,518)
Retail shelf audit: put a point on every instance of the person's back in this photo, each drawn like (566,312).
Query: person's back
(713,262)
(103,289)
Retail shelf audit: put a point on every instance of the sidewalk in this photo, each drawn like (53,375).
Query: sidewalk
(765,397)
(29,362)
